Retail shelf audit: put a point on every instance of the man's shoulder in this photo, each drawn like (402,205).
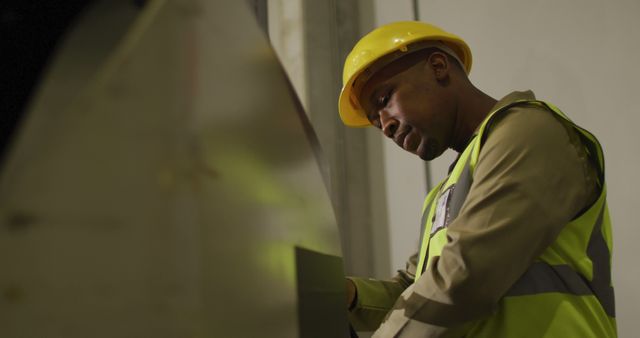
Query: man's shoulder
(523,122)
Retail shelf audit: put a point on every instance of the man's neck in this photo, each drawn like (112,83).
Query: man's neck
(473,107)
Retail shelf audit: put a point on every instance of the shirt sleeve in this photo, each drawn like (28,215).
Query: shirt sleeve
(374,298)
(530,181)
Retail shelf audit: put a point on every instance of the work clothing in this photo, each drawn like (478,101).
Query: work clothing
(516,242)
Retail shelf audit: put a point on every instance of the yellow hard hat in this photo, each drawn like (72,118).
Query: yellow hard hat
(398,37)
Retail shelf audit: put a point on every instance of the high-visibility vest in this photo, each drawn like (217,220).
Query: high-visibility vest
(567,292)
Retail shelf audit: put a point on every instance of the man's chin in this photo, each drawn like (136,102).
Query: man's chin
(427,157)
(430,152)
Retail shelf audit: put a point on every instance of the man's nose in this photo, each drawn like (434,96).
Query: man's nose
(389,124)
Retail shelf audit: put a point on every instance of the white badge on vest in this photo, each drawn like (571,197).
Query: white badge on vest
(442,208)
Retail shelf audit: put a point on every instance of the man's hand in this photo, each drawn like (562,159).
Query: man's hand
(351,294)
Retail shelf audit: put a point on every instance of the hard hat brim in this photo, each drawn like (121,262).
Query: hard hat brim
(350,115)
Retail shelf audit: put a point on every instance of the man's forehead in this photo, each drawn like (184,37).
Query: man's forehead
(375,81)
(390,70)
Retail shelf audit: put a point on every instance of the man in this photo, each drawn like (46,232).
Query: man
(516,241)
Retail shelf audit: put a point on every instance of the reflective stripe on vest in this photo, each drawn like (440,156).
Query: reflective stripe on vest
(549,274)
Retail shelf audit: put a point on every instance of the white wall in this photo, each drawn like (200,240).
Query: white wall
(582,56)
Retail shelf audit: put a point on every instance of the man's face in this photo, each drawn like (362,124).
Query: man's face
(409,103)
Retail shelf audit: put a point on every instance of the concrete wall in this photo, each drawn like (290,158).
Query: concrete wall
(580,55)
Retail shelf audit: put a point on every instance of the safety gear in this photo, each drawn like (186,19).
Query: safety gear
(383,45)
(572,276)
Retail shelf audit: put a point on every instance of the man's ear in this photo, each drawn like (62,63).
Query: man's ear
(439,64)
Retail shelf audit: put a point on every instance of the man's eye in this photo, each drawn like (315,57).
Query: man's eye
(384,100)
(374,118)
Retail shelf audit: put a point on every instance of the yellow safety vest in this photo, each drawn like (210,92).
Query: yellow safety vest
(567,292)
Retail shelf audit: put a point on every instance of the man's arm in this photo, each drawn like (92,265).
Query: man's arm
(372,299)
(530,181)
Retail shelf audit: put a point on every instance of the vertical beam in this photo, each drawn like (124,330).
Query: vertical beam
(312,39)
(331,29)
(286,33)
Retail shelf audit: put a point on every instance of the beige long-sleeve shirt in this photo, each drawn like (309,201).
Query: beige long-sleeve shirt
(532,177)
